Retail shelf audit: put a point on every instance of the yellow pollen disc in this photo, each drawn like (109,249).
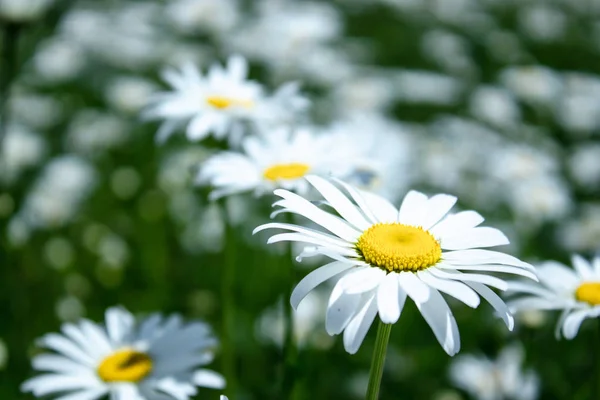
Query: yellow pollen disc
(398,247)
(125,366)
(222,102)
(286,171)
(589,292)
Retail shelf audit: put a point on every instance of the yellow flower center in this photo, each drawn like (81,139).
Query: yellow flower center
(589,292)
(125,365)
(286,171)
(222,102)
(398,247)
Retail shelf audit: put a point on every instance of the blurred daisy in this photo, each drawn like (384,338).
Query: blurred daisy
(23,10)
(575,292)
(279,160)
(499,379)
(218,102)
(383,255)
(156,360)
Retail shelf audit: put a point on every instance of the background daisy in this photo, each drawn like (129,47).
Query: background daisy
(574,291)
(151,360)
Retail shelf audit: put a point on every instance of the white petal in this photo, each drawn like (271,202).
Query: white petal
(126,391)
(299,237)
(412,208)
(476,237)
(200,127)
(507,269)
(482,256)
(495,301)
(340,309)
(455,289)
(485,279)
(303,207)
(383,210)
(357,329)
(223,398)
(175,389)
(237,67)
(313,251)
(560,323)
(439,317)
(360,201)
(55,363)
(596,263)
(51,383)
(119,323)
(68,348)
(573,322)
(362,279)
(435,209)
(413,286)
(89,394)
(583,268)
(209,379)
(315,278)
(388,299)
(537,303)
(326,238)
(458,222)
(558,276)
(339,202)
(526,287)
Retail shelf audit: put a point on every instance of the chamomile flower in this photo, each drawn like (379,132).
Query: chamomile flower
(574,291)
(499,379)
(280,159)
(155,360)
(219,102)
(383,255)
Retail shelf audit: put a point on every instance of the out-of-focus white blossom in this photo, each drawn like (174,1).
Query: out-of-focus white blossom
(192,16)
(19,150)
(20,11)
(91,132)
(499,379)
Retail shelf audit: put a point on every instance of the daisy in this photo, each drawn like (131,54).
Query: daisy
(218,102)
(575,292)
(383,255)
(279,160)
(499,379)
(155,360)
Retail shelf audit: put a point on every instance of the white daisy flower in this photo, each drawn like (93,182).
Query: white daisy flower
(155,360)
(219,102)
(279,160)
(499,379)
(383,255)
(575,292)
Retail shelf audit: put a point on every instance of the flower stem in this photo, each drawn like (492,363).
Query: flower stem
(228,303)
(290,350)
(383,336)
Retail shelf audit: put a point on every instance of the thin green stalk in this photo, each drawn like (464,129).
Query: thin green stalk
(10,38)
(228,304)
(383,336)
(290,350)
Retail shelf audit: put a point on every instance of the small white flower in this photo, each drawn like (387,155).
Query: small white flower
(383,255)
(23,10)
(575,292)
(279,160)
(218,102)
(499,379)
(155,360)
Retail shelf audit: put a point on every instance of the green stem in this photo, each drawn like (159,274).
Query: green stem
(9,69)
(228,304)
(383,336)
